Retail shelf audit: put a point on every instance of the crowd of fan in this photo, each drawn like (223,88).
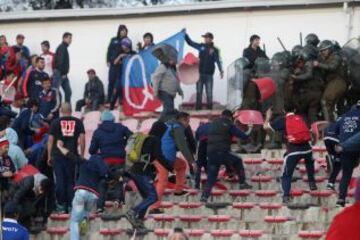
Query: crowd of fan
(40,135)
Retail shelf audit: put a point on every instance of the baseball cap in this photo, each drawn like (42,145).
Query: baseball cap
(208,35)
(4,141)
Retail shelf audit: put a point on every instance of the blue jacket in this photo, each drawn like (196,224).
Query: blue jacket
(12,230)
(22,123)
(331,133)
(49,102)
(110,140)
(352,144)
(168,144)
(208,54)
(91,172)
(348,124)
(202,132)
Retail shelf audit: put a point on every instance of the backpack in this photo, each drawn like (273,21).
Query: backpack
(297,131)
(134,148)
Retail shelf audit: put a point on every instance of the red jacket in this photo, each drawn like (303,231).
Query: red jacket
(346,224)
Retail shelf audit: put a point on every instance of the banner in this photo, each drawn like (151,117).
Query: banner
(136,77)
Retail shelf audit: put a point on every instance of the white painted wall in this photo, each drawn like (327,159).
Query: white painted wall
(231,30)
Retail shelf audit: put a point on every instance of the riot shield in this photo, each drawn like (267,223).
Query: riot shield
(237,77)
(351,51)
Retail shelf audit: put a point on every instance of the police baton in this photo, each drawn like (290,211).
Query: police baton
(281,43)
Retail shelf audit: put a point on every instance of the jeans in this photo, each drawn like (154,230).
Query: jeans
(207,81)
(114,72)
(201,162)
(349,161)
(64,170)
(215,160)
(167,101)
(162,176)
(83,203)
(64,82)
(81,103)
(290,161)
(147,191)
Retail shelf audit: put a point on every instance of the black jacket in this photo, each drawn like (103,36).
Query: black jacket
(62,60)
(252,55)
(220,135)
(94,90)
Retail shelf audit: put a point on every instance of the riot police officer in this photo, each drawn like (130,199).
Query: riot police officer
(331,65)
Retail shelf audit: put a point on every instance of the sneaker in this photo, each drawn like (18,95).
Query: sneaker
(312,186)
(182,193)
(156,211)
(245,185)
(83,227)
(203,199)
(330,186)
(340,203)
(60,209)
(140,226)
(130,216)
(286,200)
(99,211)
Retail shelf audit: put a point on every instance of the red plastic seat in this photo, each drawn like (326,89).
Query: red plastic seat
(275,161)
(164,218)
(195,232)
(261,179)
(296,192)
(250,233)
(303,170)
(110,232)
(351,193)
(166,205)
(243,205)
(168,191)
(60,217)
(190,218)
(311,234)
(319,149)
(217,193)
(161,232)
(252,161)
(219,218)
(266,193)
(321,193)
(57,230)
(275,219)
(318,179)
(190,205)
(239,193)
(270,205)
(222,233)
(192,192)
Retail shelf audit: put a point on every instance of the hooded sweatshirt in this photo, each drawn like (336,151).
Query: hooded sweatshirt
(109,140)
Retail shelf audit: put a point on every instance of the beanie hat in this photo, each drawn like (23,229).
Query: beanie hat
(10,208)
(126,42)
(107,116)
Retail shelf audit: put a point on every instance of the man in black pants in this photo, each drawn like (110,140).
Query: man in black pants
(220,135)
(333,158)
(347,126)
(71,132)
